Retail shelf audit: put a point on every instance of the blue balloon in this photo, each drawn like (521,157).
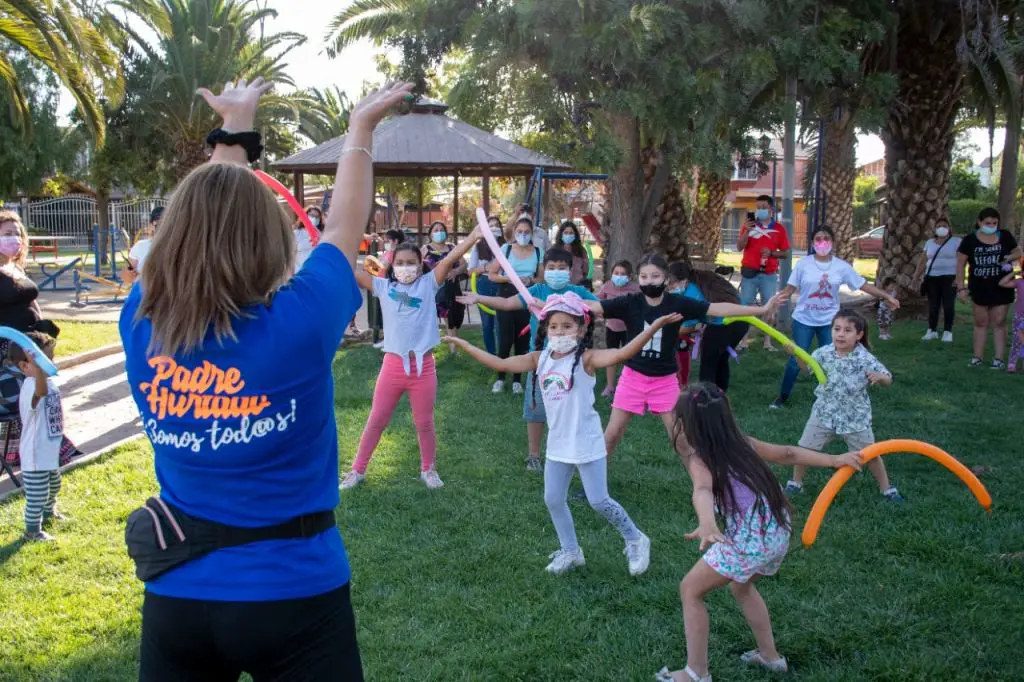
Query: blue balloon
(30,348)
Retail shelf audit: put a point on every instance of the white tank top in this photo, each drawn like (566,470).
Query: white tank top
(575,435)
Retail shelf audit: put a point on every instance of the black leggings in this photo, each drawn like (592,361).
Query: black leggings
(295,640)
(941,293)
(509,326)
(714,351)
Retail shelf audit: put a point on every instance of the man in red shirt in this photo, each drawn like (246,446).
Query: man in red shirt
(763,242)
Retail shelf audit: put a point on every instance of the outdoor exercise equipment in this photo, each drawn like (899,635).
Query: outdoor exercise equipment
(785,341)
(300,213)
(839,479)
(30,348)
(499,255)
(96,281)
(472,287)
(374,266)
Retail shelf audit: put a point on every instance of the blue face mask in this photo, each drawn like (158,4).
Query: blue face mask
(568,238)
(557,279)
(762,214)
(989,229)
(522,239)
(440,236)
(620,280)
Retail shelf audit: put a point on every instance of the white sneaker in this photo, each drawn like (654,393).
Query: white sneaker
(352,479)
(947,337)
(379,345)
(931,335)
(754,657)
(498,386)
(432,480)
(562,561)
(517,388)
(639,555)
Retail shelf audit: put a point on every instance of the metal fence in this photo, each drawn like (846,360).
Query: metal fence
(75,215)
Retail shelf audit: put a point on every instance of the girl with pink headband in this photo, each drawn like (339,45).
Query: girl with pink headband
(564,368)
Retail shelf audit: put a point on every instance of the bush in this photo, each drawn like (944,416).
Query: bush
(963,214)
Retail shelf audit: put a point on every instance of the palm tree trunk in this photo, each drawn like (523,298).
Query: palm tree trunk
(188,154)
(838,172)
(706,229)
(919,140)
(1008,174)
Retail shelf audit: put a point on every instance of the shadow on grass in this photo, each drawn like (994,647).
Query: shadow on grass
(10,549)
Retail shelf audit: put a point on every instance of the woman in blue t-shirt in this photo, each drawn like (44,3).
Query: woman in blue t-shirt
(244,445)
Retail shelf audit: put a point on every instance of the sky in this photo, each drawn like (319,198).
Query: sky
(309,66)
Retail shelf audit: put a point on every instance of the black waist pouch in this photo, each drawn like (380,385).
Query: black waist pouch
(161,537)
(747,273)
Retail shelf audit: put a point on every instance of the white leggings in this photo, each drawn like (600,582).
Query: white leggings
(558,475)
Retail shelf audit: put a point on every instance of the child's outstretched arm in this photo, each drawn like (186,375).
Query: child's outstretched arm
(1007,280)
(735,310)
(599,359)
(364,279)
(515,364)
(794,454)
(497,302)
(707,530)
(454,256)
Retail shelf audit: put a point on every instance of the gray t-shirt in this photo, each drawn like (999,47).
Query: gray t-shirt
(945,262)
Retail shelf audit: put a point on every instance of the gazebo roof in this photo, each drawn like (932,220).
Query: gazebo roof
(424,143)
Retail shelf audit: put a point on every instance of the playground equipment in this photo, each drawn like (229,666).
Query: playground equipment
(90,284)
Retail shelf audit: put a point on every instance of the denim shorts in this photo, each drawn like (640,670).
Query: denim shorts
(766,285)
(533,405)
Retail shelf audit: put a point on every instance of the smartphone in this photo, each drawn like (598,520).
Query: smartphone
(750,216)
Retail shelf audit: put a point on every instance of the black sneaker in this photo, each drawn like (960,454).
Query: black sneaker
(777,404)
(534,464)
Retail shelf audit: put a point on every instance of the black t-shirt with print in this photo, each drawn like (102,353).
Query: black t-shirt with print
(984,261)
(658,358)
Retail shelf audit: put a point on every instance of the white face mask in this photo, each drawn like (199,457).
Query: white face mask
(407,274)
(563,344)
(389,246)
(941,232)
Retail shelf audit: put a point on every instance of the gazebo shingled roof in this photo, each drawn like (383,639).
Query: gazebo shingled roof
(428,143)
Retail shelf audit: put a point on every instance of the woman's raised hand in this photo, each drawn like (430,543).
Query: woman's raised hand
(372,108)
(237,102)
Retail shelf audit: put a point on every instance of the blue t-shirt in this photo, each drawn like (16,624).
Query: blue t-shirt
(694,292)
(244,434)
(542,291)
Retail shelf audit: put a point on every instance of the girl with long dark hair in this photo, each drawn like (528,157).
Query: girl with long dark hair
(564,370)
(732,481)
(570,240)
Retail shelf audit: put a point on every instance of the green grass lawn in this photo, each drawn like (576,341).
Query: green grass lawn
(449,585)
(79,337)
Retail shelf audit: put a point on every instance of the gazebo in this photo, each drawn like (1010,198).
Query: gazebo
(427,143)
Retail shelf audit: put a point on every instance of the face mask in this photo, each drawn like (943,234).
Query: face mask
(10,246)
(762,214)
(678,291)
(941,232)
(653,290)
(389,247)
(620,280)
(563,344)
(315,221)
(407,274)
(439,237)
(522,239)
(568,238)
(822,248)
(557,279)
(989,229)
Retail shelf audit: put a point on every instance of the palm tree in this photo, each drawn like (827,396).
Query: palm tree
(375,20)
(204,43)
(75,47)
(325,114)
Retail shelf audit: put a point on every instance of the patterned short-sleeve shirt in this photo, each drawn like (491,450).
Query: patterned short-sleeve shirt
(842,403)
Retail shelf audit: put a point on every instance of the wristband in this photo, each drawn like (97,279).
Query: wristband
(250,141)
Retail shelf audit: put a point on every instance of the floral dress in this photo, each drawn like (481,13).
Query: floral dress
(757,541)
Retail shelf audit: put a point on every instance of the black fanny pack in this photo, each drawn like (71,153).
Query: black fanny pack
(161,537)
(747,273)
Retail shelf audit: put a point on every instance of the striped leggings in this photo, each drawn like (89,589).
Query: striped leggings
(41,488)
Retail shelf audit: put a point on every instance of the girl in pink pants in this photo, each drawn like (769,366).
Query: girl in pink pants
(406,298)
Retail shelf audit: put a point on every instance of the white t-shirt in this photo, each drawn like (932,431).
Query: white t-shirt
(945,262)
(575,435)
(303,247)
(541,239)
(410,317)
(42,428)
(139,252)
(819,289)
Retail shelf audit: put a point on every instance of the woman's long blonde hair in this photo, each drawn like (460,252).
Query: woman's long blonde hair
(9,216)
(224,244)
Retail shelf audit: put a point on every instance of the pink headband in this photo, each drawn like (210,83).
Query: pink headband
(568,303)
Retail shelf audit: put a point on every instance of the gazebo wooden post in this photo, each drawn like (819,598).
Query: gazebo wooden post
(486,182)
(300,191)
(419,215)
(455,206)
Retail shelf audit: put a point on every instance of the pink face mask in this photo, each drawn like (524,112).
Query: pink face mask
(822,248)
(10,246)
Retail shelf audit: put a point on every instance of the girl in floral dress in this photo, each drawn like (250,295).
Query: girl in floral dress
(730,477)
(843,408)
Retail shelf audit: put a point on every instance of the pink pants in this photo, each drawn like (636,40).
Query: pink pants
(392,382)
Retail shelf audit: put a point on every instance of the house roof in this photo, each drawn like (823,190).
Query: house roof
(427,142)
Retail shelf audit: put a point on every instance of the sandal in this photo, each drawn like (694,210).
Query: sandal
(664,675)
(754,657)
(975,362)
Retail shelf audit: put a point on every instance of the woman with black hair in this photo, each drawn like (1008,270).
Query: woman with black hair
(480,259)
(448,308)
(569,236)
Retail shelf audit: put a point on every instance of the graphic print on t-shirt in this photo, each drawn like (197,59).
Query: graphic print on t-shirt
(824,289)
(403,298)
(986,260)
(54,416)
(652,349)
(207,392)
(554,386)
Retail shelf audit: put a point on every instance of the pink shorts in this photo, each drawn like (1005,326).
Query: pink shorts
(637,392)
